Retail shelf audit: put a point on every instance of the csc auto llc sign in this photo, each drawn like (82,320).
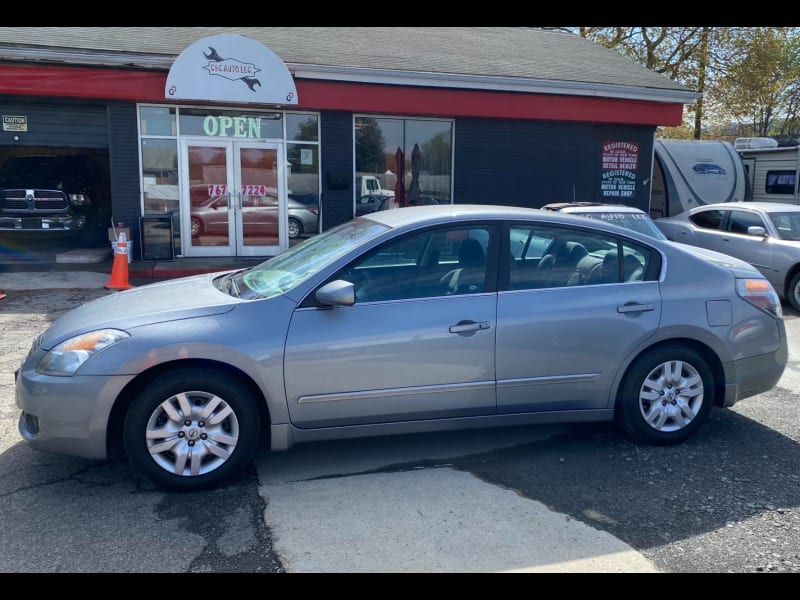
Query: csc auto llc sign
(15,123)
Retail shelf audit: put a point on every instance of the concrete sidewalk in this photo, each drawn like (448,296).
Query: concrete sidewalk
(31,276)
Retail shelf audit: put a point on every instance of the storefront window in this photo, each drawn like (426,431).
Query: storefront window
(302,127)
(407,160)
(158,120)
(302,178)
(166,131)
(160,181)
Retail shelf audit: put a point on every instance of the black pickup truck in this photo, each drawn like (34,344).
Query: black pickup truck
(48,194)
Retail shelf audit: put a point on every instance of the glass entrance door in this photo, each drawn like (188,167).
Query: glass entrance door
(236,199)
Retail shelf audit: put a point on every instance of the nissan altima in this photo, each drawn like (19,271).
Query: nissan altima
(411,319)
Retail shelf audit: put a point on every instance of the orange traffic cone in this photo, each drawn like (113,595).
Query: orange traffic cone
(119,270)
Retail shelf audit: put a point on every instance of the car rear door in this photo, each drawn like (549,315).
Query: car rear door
(560,348)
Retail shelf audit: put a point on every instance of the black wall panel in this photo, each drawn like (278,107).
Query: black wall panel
(336,161)
(124,159)
(531,163)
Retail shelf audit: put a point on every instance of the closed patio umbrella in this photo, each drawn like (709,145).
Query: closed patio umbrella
(399,186)
(413,188)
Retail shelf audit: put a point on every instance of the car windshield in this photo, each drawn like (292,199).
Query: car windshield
(636,221)
(281,273)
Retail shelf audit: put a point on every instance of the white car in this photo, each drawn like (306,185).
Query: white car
(622,215)
(765,234)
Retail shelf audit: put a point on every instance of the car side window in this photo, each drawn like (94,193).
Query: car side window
(575,257)
(787,224)
(435,262)
(740,220)
(708,219)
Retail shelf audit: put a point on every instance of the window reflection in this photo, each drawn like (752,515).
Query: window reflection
(160,193)
(402,162)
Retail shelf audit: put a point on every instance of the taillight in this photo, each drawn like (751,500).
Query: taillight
(761,294)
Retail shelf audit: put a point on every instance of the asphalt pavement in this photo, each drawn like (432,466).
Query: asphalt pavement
(440,519)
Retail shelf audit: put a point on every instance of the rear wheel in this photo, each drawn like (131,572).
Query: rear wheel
(667,395)
(192,429)
(197,227)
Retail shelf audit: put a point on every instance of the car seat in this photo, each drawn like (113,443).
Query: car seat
(469,277)
(557,266)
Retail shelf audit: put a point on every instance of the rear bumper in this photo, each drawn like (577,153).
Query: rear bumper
(754,375)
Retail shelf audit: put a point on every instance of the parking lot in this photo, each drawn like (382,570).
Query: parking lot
(545,498)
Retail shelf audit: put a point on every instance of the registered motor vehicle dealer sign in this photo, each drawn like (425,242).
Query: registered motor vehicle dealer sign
(15,123)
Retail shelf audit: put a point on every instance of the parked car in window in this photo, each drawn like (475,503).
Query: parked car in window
(765,234)
(617,214)
(414,319)
(210,216)
(369,203)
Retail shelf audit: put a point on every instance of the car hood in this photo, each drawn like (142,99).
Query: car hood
(182,298)
(739,267)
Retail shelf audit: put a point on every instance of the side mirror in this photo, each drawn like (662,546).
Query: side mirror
(336,293)
(756,230)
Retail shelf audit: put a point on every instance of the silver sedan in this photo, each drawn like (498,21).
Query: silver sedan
(765,234)
(407,320)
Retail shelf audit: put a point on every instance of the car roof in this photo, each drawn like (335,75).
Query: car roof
(442,213)
(591,207)
(765,206)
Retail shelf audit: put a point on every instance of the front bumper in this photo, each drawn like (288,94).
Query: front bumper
(67,415)
(43,223)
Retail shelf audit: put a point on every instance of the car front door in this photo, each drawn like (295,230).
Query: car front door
(755,249)
(411,347)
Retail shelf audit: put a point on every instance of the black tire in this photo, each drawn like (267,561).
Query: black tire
(221,449)
(667,395)
(793,291)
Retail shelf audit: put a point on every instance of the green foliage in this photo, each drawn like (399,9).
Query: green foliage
(749,77)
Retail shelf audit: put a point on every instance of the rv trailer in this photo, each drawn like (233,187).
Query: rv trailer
(771,170)
(690,173)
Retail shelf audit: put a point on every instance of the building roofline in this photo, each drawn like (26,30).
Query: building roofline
(162,62)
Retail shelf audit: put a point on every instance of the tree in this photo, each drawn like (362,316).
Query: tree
(749,78)
(759,90)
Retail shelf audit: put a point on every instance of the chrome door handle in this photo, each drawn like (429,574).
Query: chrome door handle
(629,308)
(463,326)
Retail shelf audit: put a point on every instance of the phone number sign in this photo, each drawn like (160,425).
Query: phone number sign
(220,189)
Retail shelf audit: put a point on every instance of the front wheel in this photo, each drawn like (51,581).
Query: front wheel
(192,429)
(793,291)
(666,396)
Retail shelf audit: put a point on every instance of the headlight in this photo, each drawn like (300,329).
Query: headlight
(66,358)
(77,199)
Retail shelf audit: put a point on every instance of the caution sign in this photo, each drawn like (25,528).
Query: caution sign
(15,123)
